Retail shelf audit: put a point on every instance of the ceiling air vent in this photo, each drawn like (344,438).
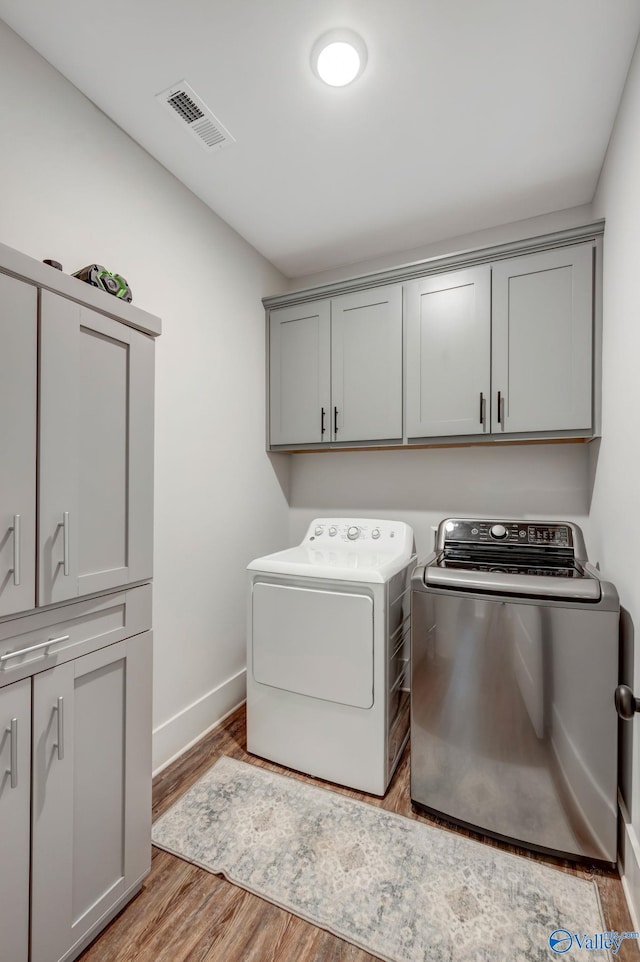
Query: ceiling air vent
(184,103)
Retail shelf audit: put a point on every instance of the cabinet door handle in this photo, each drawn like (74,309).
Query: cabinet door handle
(16,549)
(13,764)
(501,409)
(25,651)
(59,708)
(335,420)
(483,409)
(322,416)
(626,702)
(65,541)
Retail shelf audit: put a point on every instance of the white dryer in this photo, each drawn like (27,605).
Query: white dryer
(328,652)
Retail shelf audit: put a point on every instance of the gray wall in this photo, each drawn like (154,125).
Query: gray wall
(421,487)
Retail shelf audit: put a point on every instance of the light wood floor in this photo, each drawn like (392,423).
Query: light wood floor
(185,913)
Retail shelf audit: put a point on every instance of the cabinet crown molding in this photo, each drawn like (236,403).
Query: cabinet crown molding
(439,264)
(42,275)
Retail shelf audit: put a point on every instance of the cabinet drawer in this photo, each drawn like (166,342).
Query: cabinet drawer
(40,641)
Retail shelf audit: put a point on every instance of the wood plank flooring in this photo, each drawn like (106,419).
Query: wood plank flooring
(184,914)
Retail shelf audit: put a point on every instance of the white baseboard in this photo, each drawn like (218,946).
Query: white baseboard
(629,865)
(177,734)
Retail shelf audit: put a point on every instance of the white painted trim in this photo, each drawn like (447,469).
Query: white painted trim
(629,864)
(630,905)
(173,737)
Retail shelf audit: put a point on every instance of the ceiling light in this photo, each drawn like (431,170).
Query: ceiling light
(339,57)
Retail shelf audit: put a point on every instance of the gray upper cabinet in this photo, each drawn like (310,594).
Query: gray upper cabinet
(96,452)
(366,365)
(448,330)
(15,795)
(335,369)
(505,348)
(542,341)
(299,355)
(487,345)
(18,360)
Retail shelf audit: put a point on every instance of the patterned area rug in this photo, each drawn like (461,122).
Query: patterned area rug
(397,888)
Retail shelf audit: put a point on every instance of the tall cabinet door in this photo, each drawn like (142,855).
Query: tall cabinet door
(96,452)
(366,365)
(18,367)
(15,795)
(449,353)
(91,819)
(542,341)
(299,359)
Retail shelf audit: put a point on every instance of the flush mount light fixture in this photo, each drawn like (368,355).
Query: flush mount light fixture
(338,57)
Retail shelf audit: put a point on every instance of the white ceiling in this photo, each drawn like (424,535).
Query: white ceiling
(470,113)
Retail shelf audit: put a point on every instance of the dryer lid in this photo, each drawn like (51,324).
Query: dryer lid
(366,550)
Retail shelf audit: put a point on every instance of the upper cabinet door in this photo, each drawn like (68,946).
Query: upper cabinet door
(299,359)
(366,365)
(542,341)
(96,452)
(448,354)
(18,367)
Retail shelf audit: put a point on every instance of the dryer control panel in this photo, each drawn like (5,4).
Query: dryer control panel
(391,536)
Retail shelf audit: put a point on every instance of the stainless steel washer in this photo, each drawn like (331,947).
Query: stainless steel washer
(514,667)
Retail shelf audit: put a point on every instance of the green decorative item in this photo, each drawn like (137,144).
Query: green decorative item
(99,276)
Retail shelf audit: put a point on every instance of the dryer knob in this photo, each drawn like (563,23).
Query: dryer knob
(499,532)
(353,533)
(332,531)
(375,533)
(318,531)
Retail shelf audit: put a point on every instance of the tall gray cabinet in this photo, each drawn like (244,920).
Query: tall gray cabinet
(76,518)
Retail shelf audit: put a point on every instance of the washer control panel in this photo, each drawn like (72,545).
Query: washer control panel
(543,534)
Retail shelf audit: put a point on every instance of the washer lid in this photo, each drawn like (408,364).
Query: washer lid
(502,582)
